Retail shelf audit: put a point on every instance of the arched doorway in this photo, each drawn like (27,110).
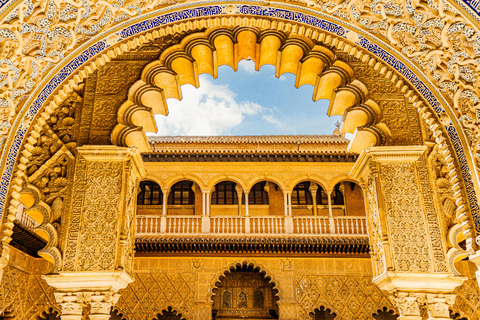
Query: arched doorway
(245,292)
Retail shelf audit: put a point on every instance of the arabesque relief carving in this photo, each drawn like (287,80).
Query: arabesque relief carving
(435,36)
(149,294)
(348,297)
(45,174)
(103,199)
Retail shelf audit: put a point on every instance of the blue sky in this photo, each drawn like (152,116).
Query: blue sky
(246,102)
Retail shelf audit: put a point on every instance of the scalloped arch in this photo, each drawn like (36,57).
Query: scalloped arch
(339,34)
(247,262)
(203,52)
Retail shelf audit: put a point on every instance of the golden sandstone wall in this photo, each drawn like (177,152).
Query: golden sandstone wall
(185,283)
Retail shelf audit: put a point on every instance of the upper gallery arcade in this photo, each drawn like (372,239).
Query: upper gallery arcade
(98,221)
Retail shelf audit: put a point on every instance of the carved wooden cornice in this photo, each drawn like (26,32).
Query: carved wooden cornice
(257,245)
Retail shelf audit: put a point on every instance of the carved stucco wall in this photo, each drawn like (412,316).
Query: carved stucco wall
(365,16)
(23,293)
(343,285)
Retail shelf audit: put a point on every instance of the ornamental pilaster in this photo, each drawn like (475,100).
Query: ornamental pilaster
(99,240)
(407,246)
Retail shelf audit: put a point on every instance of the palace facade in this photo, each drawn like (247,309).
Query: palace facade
(100,222)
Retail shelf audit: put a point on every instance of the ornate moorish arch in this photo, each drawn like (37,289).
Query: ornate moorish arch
(249,263)
(298,25)
(433,108)
(340,30)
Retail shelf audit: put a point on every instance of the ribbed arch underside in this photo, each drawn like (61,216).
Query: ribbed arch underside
(203,52)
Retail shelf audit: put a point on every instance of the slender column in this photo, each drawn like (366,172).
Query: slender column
(408,304)
(313,191)
(288,213)
(247,217)
(101,303)
(330,213)
(208,203)
(289,204)
(163,218)
(206,222)
(165,202)
(72,305)
(239,191)
(285,204)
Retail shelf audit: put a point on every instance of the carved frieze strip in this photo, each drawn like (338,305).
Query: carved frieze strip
(466,211)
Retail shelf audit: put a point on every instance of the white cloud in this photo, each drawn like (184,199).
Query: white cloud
(209,110)
(248,66)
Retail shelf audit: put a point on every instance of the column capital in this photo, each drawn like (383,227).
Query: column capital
(72,304)
(409,304)
(438,306)
(101,303)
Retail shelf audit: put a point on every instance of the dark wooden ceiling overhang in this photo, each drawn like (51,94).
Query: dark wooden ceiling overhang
(149,157)
(26,240)
(314,245)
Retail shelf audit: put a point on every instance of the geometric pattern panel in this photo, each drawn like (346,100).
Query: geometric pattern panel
(467,303)
(349,297)
(25,296)
(151,293)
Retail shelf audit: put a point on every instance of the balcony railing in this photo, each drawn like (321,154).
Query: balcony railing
(271,225)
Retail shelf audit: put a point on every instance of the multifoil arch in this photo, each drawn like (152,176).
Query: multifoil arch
(430,112)
(256,266)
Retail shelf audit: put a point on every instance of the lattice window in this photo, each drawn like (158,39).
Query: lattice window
(225,193)
(257,194)
(150,194)
(182,194)
(337,196)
